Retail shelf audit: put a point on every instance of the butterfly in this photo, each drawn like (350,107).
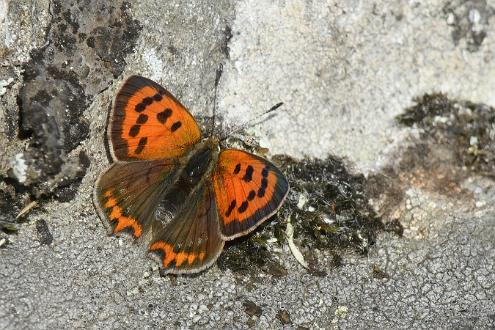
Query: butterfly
(161,160)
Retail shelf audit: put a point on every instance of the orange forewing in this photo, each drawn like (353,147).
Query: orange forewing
(248,189)
(149,123)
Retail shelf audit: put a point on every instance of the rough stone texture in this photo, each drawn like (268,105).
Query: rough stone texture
(344,70)
(87,42)
(22,28)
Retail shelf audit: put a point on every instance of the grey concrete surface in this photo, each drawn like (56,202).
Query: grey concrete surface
(344,69)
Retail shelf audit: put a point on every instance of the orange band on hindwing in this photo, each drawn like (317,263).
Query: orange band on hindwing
(115,215)
(170,256)
(191,240)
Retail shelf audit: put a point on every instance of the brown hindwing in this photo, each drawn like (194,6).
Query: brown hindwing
(127,194)
(191,241)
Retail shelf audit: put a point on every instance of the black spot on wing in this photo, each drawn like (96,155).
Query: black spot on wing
(237,168)
(164,115)
(142,119)
(141,145)
(140,107)
(231,208)
(134,131)
(262,190)
(248,176)
(175,126)
(243,207)
(147,101)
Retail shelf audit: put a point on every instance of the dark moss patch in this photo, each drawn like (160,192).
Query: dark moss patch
(456,139)
(44,235)
(252,309)
(329,210)
(336,213)
(85,51)
(284,317)
(238,261)
(67,186)
(461,130)
(9,209)
(469,20)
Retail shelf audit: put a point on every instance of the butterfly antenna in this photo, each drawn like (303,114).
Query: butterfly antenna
(217,80)
(255,121)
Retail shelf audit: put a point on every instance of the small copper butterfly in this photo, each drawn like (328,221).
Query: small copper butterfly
(160,158)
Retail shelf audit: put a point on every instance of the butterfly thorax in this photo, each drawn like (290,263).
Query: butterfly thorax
(200,163)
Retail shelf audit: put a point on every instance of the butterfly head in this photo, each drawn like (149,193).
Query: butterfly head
(212,142)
